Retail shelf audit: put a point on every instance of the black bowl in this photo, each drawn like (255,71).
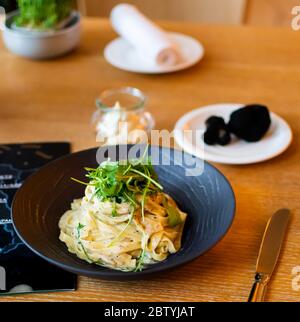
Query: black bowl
(208,200)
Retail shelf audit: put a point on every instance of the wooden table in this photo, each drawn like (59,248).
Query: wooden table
(54,100)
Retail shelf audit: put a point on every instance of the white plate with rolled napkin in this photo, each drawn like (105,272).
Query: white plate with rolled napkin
(145,48)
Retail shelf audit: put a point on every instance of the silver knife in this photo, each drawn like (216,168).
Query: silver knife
(269,253)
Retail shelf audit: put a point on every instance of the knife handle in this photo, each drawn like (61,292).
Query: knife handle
(259,288)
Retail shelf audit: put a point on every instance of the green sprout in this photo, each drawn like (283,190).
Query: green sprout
(43,14)
(119,182)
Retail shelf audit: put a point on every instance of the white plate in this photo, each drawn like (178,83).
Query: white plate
(122,55)
(276,140)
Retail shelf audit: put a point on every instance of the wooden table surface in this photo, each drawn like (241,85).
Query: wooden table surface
(54,100)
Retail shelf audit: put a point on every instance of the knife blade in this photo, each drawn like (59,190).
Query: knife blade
(269,252)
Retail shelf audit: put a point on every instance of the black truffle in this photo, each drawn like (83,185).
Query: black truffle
(250,123)
(215,121)
(216,131)
(224,137)
(210,137)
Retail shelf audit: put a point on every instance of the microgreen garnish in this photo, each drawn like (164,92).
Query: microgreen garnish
(140,260)
(123,181)
(174,217)
(122,231)
(42,14)
(79,228)
(114,212)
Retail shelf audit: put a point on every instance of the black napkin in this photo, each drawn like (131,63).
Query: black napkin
(20,269)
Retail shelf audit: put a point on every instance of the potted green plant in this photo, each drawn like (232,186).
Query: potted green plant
(42,28)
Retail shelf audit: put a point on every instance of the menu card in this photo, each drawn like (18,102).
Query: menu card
(21,271)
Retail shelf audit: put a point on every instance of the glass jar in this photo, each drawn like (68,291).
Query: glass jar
(121,118)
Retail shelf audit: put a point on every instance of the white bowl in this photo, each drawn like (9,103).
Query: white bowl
(42,45)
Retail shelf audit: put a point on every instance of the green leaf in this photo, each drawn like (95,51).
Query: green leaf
(80,226)
(43,14)
(114,212)
(173,213)
(140,260)
(123,182)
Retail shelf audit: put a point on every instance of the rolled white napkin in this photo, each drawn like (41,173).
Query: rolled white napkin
(152,43)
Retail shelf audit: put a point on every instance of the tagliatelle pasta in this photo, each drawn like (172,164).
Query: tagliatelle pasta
(118,235)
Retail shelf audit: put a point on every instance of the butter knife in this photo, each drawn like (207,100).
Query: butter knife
(269,252)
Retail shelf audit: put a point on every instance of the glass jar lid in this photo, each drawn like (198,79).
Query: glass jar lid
(128,98)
